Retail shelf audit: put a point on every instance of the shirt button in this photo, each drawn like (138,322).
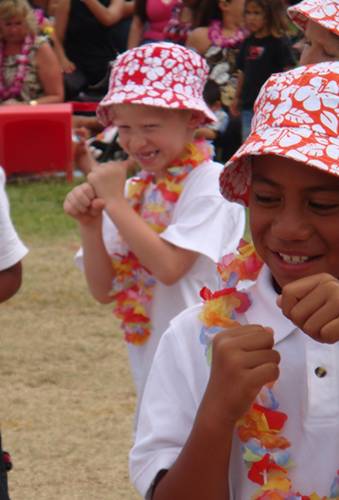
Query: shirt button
(320,372)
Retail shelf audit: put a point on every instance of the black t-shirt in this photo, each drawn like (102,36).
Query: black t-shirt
(88,43)
(258,58)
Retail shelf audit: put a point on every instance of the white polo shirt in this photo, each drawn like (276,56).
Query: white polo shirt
(12,250)
(178,379)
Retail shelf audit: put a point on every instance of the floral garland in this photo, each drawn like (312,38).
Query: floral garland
(15,87)
(225,42)
(265,449)
(154,200)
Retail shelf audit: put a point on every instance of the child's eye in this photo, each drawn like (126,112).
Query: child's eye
(323,207)
(265,199)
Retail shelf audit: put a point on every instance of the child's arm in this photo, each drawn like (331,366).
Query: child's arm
(82,204)
(167,262)
(10,281)
(243,361)
(312,303)
(135,32)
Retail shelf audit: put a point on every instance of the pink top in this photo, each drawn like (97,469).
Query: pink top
(159,13)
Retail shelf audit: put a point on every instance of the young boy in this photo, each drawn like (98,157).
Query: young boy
(12,251)
(161,232)
(320,21)
(262,422)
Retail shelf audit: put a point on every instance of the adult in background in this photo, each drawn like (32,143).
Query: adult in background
(84,30)
(29,69)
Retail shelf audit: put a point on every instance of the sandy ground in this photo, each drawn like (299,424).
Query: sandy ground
(66,396)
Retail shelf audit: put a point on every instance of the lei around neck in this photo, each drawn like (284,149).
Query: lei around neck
(154,200)
(265,450)
(14,88)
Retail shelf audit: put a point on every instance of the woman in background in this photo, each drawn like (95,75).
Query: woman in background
(29,69)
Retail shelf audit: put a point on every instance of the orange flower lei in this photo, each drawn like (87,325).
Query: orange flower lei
(265,449)
(154,200)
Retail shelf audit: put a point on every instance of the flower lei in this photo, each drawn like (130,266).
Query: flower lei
(225,42)
(265,449)
(15,87)
(154,200)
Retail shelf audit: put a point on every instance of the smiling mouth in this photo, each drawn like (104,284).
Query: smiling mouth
(147,156)
(295,259)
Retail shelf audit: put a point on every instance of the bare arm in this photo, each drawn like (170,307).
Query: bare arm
(106,15)
(60,26)
(198,40)
(50,75)
(135,32)
(10,281)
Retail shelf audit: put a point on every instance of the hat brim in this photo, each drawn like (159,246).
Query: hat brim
(150,97)
(300,15)
(302,145)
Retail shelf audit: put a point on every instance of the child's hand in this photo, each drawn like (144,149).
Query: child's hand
(82,204)
(243,361)
(108,180)
(312,303)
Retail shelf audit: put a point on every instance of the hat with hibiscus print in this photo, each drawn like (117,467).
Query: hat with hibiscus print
(296,116)
(324,12)
(164,75)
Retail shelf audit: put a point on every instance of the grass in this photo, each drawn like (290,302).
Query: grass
(37,208)
(67,396)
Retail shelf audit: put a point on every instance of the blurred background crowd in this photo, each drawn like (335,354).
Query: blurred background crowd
(53,51)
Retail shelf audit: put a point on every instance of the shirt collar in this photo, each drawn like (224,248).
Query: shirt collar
(264,310)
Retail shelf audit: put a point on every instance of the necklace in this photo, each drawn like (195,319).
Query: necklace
(154,200)
(15,87)
(225,42)
(265,449)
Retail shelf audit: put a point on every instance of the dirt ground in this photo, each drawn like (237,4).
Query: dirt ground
(66,396)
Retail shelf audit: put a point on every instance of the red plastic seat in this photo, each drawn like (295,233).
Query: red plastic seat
(36,139)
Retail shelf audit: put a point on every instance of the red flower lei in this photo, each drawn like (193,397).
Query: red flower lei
(15,87)
(265,449)
(133,284)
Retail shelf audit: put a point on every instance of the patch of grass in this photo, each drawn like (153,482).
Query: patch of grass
(37,208)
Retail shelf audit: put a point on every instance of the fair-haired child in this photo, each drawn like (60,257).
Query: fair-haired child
(12,251)
(242,400)
(149,243)
(265,51)
(320,21)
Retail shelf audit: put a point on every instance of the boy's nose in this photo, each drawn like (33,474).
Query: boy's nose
(136,142)
(291,226)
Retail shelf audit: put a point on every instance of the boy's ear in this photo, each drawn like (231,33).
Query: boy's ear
(196,119)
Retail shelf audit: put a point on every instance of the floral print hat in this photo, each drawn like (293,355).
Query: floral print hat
(163,74)
(324,12)
(296,116)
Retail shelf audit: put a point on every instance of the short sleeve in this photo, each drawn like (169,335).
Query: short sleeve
(203,221)
(12,249)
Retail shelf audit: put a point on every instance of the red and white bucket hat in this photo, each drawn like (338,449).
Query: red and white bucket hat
(323,12)
(296,116)
(163,74)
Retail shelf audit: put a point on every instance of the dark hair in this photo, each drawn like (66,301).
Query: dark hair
(211,92)
(276,15)
(208,11)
